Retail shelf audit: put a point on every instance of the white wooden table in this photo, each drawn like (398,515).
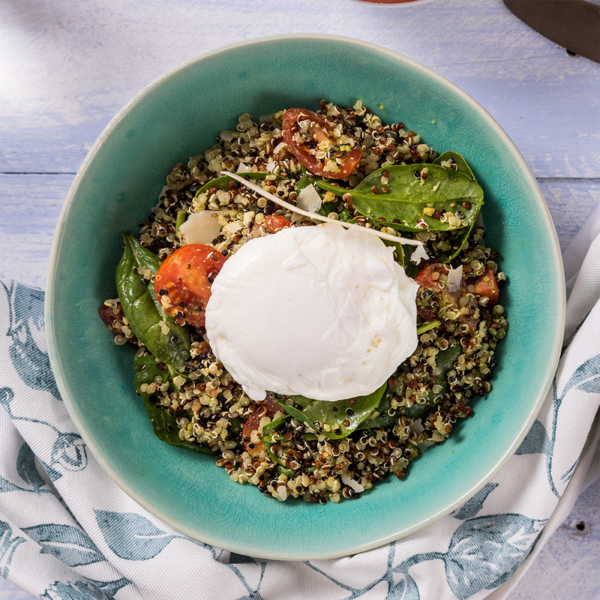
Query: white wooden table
(66,67)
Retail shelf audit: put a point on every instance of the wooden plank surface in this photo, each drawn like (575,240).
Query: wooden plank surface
(79,62)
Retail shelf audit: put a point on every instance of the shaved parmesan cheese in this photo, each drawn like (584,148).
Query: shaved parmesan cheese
(309,199)
(201,228)
(244,168)
(454,279)
(352,483)
(271,167)
(279,148)
(419,254)
(232,227)
(282,492)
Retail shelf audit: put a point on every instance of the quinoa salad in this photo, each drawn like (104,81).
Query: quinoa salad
(345,164)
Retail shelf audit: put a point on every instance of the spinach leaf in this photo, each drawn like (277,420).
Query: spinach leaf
(181,219)
(428,327)
(334,414)
(221,183)
(409,196)
(383,420)
(463,168)
(164,424)
(458,160)
(445,362)
(304,180)
(269,435)
(463,242)
(143,310)
(298,414)
(398,249)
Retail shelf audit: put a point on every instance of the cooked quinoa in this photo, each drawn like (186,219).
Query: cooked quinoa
(422,402)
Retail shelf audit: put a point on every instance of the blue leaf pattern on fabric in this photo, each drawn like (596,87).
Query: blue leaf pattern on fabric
(69,452)
(6,397)
(238,559)
(536,441)
(51,471)
(65,542)
(472,506)
(586,370)
(27,469)
(405,589)
(7,486)
(131,536)
(8,545)
(110,587)
(485,548)
(504,578)
(585,378)
(26,328)
(74,591)
(592,386)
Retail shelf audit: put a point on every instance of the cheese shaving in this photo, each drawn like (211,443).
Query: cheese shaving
(419,254)
(309,199)
(201,228)
(352,483)
(454,279)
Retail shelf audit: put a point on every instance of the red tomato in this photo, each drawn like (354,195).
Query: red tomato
(267,408)
(275,223)
(321,130)
(272,224)
(425,277)
(184,279)
(486,286)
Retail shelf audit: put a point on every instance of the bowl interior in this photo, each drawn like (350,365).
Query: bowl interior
(180,115)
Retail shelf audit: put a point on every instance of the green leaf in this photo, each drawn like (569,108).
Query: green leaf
(298,414)
(445,362)
(463,168)
(268,437)
(164,424)
(409,196)
(458,160)
(181,219)
(428,327)
(143,310)
(221,183)
(398,249)
(383,420)
(334,413)
(463,243)
(304,180)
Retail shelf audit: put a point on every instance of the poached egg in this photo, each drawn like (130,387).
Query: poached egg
(320,311)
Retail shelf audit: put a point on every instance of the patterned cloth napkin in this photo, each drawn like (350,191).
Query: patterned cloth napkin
(67,532)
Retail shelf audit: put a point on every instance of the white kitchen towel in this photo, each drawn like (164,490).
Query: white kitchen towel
(67,532)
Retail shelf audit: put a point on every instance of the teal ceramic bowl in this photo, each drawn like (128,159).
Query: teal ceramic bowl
(180,115)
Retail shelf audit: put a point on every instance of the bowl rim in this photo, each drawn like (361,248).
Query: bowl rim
(58,238)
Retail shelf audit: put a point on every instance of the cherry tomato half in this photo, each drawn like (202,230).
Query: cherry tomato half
(252,429)
(272,224)
(275,223)
(319,131)
(184,279)
(426,279)
(486,286)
